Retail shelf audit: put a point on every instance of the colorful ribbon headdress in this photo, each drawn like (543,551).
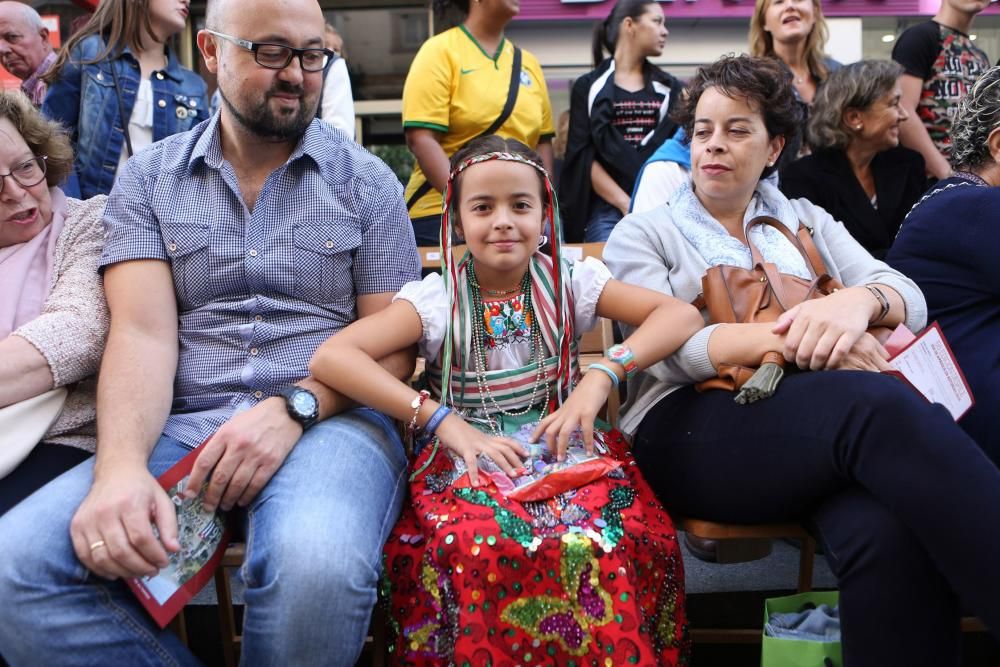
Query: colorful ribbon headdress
(450,271)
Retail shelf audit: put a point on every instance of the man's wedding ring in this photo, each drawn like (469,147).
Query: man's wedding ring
(97,545)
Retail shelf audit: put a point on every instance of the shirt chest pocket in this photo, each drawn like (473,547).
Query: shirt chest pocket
(187,248)
(324,261)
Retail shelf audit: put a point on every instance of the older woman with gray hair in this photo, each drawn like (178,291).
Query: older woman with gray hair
(950,245)
(858,171)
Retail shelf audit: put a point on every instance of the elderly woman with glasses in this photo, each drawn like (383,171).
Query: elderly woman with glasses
(53,318)
(858,171)
(950,245)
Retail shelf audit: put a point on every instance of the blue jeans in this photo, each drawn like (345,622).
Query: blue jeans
(314,542)
(603,218)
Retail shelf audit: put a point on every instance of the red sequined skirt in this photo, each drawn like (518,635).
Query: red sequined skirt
(591,577)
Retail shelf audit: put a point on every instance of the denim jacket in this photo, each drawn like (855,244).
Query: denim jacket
(84,100)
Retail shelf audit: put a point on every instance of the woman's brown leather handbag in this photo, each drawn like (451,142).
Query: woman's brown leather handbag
(734,295)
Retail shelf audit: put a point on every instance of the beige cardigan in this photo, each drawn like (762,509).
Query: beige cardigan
(72,329)
(648,249)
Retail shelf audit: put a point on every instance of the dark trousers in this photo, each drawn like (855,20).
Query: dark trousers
(905,504)
(43,464)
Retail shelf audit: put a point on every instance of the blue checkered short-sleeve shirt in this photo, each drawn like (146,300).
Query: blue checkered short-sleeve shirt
(258,292)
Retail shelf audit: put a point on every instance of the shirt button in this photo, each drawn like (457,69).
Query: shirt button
(253,253)
(100,76)
(329,244)
(159,75)
(173,247)
(253,351)
(258,394)
(162,104)
(258,318)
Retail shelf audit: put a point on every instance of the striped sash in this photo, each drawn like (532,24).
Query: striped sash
(511,388)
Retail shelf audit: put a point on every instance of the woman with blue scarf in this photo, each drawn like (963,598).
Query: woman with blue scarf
(853,453)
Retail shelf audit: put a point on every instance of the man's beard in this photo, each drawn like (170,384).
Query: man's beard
(262,122)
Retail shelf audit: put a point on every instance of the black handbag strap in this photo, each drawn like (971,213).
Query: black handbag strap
(508,109)
(121,107)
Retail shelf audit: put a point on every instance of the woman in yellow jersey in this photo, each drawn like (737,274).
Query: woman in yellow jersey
(466,82)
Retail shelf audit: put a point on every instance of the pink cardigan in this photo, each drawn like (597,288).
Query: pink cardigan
(73,327)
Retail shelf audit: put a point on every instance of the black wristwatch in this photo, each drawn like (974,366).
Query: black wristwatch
(302,405)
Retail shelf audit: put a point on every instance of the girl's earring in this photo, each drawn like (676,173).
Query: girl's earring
(542,240)
(857,127)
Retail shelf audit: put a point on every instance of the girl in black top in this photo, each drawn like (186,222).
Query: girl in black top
(619,115)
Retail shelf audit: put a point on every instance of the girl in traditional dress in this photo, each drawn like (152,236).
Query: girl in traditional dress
(590,575)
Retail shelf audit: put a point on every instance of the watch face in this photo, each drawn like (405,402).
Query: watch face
(304,403)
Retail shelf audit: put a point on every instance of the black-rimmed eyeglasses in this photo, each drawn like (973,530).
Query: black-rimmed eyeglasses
(26,174)
(278,56)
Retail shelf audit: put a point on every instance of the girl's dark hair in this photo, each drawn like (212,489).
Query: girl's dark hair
(120,22)
(606,31)
(764,82)
(493,143)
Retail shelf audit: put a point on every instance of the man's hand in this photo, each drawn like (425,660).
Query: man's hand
(112,530)
(245,453)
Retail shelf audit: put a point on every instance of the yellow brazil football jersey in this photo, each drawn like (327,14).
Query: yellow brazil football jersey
(456,88)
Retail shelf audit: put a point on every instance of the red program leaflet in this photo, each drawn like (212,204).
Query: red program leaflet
(927,364)
(203,536)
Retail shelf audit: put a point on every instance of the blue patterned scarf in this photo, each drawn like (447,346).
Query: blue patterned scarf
(719,247)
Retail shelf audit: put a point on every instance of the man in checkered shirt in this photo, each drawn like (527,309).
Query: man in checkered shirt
(232,251)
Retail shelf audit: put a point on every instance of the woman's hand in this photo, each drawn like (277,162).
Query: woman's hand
(578,411)
(469,442)
(820,333)
(866,355)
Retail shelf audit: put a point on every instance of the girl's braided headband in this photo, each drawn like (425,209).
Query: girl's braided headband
(496,155)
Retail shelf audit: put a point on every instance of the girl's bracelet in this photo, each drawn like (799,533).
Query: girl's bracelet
(611,374)
(416,404)
(439,415)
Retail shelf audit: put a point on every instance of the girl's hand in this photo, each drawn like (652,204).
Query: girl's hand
(469,442)
(866,355)
(820,333)
(578,411)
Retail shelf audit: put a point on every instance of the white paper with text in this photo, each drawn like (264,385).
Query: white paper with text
(929,366)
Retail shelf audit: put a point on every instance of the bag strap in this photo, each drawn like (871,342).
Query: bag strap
(121,107)
(508,109)
(802,242)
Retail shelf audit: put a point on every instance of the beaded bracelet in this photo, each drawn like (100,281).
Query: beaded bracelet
(416,403)
(439,415)
(611,374)
(883,302)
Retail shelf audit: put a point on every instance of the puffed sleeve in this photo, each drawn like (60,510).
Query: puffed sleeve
(429,298)
(589,278)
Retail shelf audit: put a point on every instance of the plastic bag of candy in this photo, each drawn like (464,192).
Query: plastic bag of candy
(547,477)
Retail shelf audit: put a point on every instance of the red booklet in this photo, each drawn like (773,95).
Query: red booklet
(926,363)
(204,537)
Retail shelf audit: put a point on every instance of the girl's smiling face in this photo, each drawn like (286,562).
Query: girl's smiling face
(500,217)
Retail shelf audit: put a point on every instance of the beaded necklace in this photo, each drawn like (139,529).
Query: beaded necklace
(479,352)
